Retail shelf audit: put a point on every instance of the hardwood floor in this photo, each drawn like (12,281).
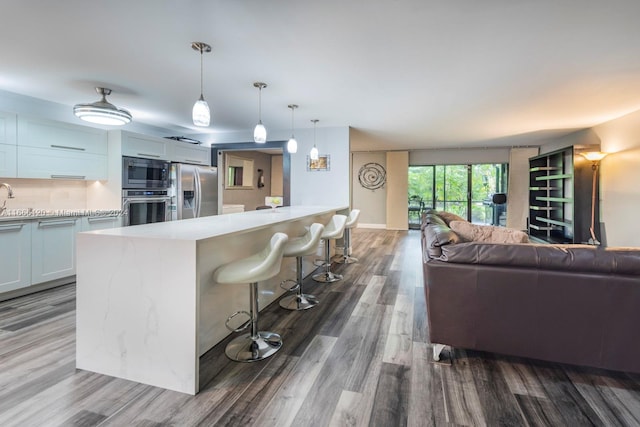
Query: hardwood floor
(361,357)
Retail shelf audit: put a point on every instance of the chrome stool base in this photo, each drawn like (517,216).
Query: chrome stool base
(327,277)
(346,260)
(298,302)
(247,349)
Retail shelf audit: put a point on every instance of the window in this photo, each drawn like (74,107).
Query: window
(465,190)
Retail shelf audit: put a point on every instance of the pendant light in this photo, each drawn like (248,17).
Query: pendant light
(292,144)
(102,112)
(313,154)
(260,132)
(201,113)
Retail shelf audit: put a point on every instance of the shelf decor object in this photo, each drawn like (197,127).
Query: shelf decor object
(201,114)
(102,112)
(313,154)
(292,144)
(594,157)
(260,132)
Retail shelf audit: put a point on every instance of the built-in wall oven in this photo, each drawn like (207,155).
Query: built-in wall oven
(145,191)
(145,173)
(145,206)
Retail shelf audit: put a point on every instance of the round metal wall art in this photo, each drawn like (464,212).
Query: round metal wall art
(372,176)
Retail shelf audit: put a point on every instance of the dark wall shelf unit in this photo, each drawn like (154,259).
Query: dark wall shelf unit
(560,197)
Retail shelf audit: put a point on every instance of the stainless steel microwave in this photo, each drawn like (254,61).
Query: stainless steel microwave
(145,173)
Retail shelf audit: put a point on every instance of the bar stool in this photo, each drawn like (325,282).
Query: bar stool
(265,264)
(352,221)
(299,247)
(333,230)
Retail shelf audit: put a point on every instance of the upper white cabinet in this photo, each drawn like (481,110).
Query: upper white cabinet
(7,145)
(8,167)
(7,128)
(189,153)
(15,255)
(149,147)
(49,149)
(53,249)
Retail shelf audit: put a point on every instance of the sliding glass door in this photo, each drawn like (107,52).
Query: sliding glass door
(465,190)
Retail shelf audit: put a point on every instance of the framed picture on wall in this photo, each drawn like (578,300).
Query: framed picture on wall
(322,164)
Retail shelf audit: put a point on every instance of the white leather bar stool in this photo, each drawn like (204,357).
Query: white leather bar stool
(333,230)
(299,247)
(352,222)
(256,345)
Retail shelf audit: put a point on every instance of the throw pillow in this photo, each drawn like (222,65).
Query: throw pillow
(488,233)
(448,216)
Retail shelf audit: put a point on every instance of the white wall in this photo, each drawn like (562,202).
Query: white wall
(458,156)
(620,179)
(372,203)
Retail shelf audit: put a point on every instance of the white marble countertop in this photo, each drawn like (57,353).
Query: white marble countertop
(29,214)
(218,225)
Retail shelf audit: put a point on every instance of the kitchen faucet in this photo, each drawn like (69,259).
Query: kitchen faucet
(9,196)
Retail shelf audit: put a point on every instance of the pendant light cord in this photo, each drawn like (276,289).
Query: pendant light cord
(201,74)
(292,110)
(260,104)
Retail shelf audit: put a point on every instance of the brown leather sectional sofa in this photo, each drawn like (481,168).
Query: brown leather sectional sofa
(575,304)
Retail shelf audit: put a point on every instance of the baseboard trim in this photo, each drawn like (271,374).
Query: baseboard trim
(377,226)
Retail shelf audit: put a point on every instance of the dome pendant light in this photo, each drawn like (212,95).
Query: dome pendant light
(260,132)
(313,154)
(201,114)
(292,144)
(102,112)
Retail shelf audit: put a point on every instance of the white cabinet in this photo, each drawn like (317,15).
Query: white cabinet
(189,153)
(48,149)
(56,164)
(7,145)
(7,128)
(53,244)
(149,147)
(15,255)
(92,223)
(8,161)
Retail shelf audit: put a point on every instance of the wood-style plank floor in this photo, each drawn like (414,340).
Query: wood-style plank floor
(361,357)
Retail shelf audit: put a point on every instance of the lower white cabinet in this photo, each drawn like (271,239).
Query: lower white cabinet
(53,247)
(92,223)
(15,255)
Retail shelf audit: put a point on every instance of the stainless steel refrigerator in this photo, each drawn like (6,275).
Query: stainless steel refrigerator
(195,190)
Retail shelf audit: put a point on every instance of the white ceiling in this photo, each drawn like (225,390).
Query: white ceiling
(411,73)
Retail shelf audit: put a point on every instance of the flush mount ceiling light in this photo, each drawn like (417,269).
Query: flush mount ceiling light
(201,113)
(260,132)
(313,154)
(292,144)
(102,112)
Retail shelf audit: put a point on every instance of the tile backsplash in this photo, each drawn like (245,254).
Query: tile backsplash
(45,194)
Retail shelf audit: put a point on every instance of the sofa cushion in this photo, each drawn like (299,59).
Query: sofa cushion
(488,233)
(448,216)
(431,218)
(436,236)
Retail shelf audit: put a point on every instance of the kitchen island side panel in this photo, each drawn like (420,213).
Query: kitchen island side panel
(137,310)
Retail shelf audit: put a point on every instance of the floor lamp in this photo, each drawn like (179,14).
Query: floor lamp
(594,157)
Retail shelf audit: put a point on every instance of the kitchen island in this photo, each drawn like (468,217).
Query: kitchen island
(147,307)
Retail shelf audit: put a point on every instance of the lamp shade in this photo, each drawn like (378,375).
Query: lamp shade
(313,155)
(102,112)
(594,156)
(201,114)
(260,134)
(292,145)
